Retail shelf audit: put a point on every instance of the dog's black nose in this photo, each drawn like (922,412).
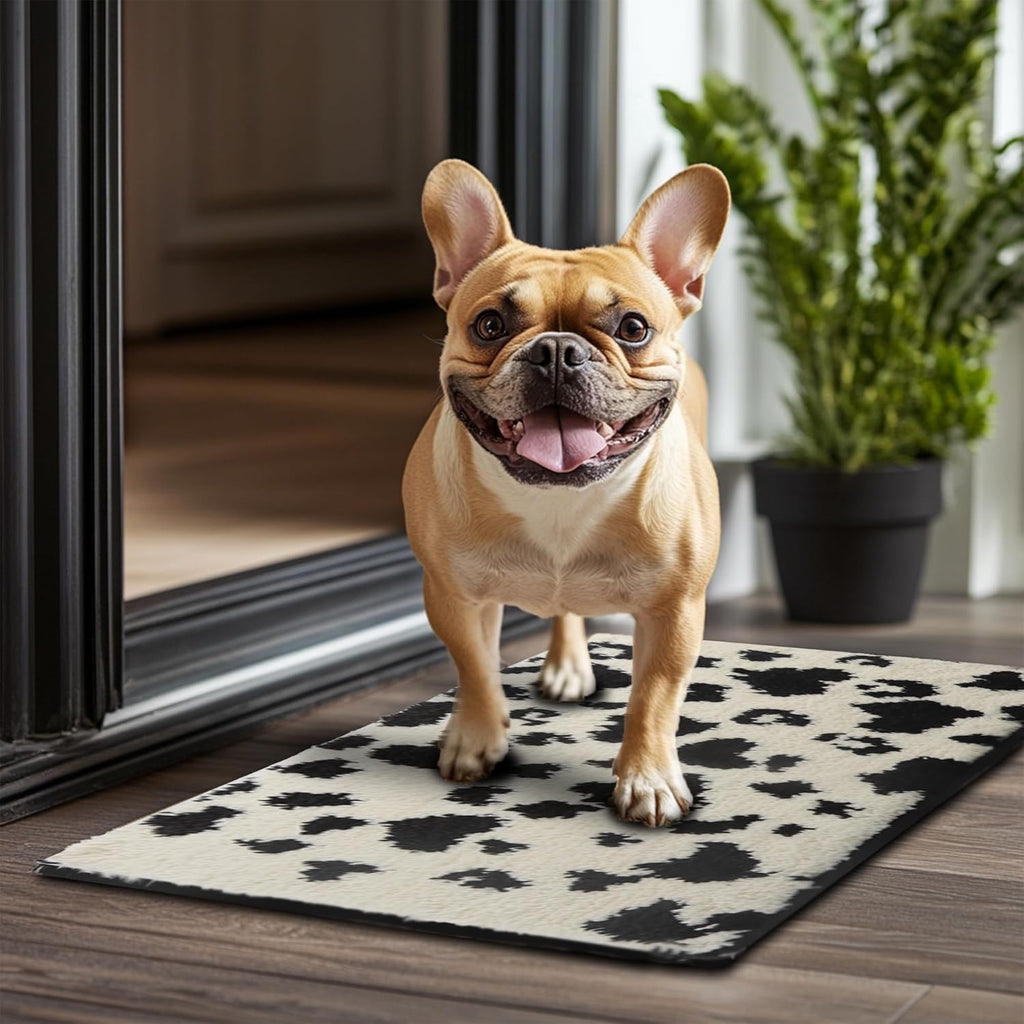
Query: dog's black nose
(557,350)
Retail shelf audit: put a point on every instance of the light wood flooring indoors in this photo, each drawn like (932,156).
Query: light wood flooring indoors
(300,448)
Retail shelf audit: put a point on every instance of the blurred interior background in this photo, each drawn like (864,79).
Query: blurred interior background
(281,344)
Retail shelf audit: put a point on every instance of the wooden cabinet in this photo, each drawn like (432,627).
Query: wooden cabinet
(274,152)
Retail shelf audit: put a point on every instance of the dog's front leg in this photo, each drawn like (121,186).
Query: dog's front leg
(650,786)
(475,738)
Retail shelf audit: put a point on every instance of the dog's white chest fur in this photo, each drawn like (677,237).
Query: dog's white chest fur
(556,564)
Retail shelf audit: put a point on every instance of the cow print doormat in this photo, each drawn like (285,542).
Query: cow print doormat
(803,764)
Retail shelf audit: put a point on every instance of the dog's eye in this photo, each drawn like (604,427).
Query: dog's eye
(633,329)
(489,326)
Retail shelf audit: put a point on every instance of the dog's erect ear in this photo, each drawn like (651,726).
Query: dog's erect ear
(678,228)
(465,221)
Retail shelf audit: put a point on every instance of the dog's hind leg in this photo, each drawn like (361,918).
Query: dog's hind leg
(567,673)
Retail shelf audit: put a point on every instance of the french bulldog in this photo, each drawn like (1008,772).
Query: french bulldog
(564,470)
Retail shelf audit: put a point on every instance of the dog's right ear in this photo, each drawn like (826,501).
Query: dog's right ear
(465,221)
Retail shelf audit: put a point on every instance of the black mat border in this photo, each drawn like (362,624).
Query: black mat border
(860,854)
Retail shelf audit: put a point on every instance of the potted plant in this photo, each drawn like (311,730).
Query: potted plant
(883,253)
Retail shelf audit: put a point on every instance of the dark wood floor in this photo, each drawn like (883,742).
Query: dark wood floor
(930,930)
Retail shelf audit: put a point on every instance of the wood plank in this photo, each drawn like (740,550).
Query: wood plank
(910,925)
(25,1007)
(204,991)
(945,1005)
(347,962)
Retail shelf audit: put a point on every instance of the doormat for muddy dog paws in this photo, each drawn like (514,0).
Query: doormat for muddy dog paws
(802,763)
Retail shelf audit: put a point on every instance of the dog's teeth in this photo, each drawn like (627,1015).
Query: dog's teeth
(518,429)
(605,430)
(505,426)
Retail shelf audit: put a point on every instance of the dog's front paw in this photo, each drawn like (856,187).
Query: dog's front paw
(470,749)
(653,796)
(568,678)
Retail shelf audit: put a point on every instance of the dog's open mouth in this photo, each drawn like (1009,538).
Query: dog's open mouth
(557,438)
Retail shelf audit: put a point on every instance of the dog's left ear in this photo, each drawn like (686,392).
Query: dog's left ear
(678,228)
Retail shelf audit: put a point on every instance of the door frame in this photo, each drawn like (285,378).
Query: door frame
(95,691)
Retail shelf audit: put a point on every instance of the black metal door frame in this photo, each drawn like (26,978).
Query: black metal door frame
(208,660)
(529,99)
(60,382)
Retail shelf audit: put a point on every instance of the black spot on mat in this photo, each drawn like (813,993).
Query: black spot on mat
(611,731)
(534,714)
(772,716)
(704,693)
(912,716)
(875,660)
(703,662)
(484,878)
(350,742)
(608,678)
(332,870)
(718,753)
(542,739)
(742,923)
(780,681)
(587,880)
(552,809)
(1013,712)
(528,770)
(789,830)
(242,786)
(409,755)
(698,826)
(189,823)
(655,923)
(517,692)
(784,790)
(978,738)
(272,845)
(607,649)
(613,839)
(594,792)
(1001,680)
(862,746)
(918,775)
(323,768)
(289,801)
(879,688)
(836,808)
(438,832)
(691,726)
(753,654)
(478,795)
(600,762)
(780,762)
(494,847)
(712,862)
(430,712)
(330,823)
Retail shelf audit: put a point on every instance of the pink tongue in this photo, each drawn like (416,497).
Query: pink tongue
(558,439)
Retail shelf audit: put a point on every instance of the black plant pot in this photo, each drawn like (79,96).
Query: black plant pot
(849,547)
